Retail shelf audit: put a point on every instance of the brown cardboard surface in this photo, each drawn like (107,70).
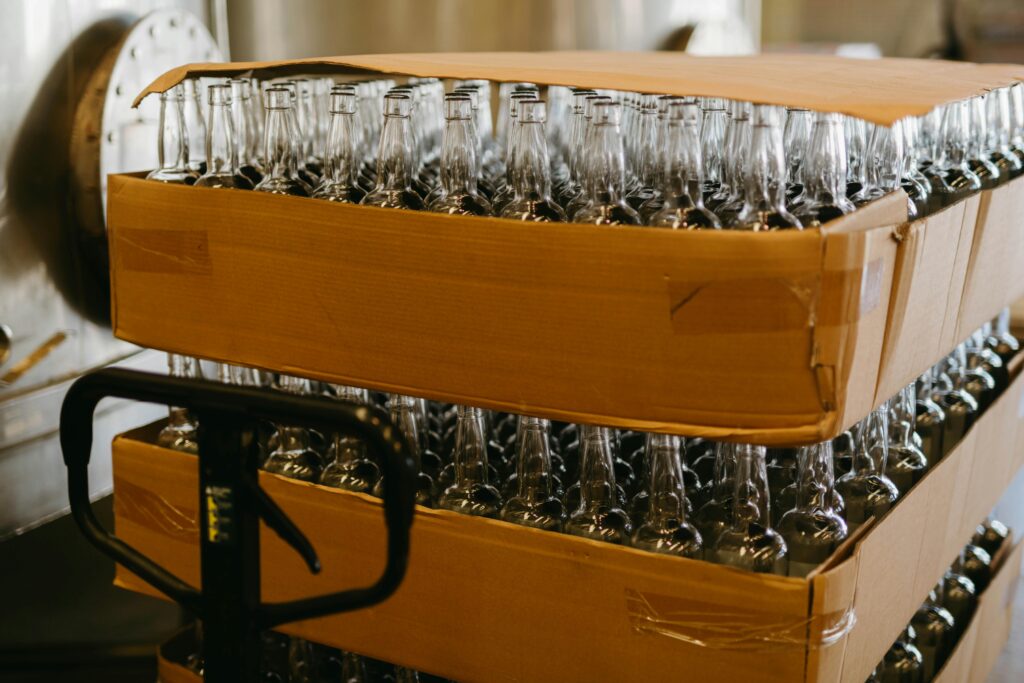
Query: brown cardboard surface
(995,278)
(879,90)
(931,266)
(635,615)
(994,617)
(772,338)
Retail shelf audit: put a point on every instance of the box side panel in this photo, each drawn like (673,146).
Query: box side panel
(535,606)
(832,608)
(656,329)
(931,263)
(995,278)
(994,617)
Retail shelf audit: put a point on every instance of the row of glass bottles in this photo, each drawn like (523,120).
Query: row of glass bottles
(920,651)
(770,510)
(586,156)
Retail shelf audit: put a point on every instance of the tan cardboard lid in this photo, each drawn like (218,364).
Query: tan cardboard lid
(878,90)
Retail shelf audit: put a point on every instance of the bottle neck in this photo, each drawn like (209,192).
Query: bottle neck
(738,157)
(597,473)
(825,171)
(173,147)
(403,415)
(531,178)
(666,493)
(712,142)
(278,147)
(458,158)
(221,149)
(724,476)
(395,159)
(765,172)
(750,494)
(872,449)
(533,460)
(340,162)
(470,455)
(815,477)
(606,164)
(683,178)
(645,165)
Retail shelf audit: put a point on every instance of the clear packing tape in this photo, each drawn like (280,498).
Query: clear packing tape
(709,625)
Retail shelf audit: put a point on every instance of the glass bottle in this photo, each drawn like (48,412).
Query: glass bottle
(796,137)
(959,596)
(645,152)
(353,669)
(1001,340)
(605,440)
(950,177)
(281,175)
(903,663)
(245,139)
(825,172)
(340,181)
(534,502)
(906,463)
(459,193)
(866,490)
(665,529)
(765,181)
(978,151)
(976,564)
(599,515)
(505,193)
(712,140)
(531,181)
(933,625)
(682,193)
(605,171)
(406,675)
(172,147)
(195,124)
(349,466)
(997,105)
(222,169)
(930,421)
(470,493)
(813,529)
(856,142)
(913,181)
(884,173)
(990,536)
(293,456)
(960,407)
(973,379)
(582,196)
(981,356)
(180,432)
(573,187)
(715,516)
(402,410)
(395,160)
(750,542)
(728,200)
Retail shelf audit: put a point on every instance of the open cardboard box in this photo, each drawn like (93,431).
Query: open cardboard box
(780,338)
(485,601)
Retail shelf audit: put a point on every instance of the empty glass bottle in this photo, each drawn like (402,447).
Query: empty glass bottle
(990,536)
(470,492)
(644,160)
(959,596)
(749,542)
(1001,340)
(195,124)
(395,159)
(1000,152)
(459,193)
(855,134)
(605,171)
(715,516)
(712,140)
(531,182)
(825,172)
(505,193)
(930,420)
(664,528)
(727,202)
(903,662)
(764,205)
(180,431)
(866,489)
(976,564)
(972,378)
(293,457)
(245,134)
(813,529)
(682,192)
(222,169)
(403,414)
(172,145)
(959,406)
(884,172)
(906,463)
(281,176)
(950,177)
(599,515)
(979,355)
(534,502)
(978,151)
(349,466)
(340,181)
(933,625)
(913,181)
(796,138)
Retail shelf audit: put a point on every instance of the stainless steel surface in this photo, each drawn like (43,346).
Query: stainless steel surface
(52,273)
(279,29)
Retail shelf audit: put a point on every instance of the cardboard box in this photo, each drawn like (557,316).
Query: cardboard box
(770,338)
(776,339)
(488,601)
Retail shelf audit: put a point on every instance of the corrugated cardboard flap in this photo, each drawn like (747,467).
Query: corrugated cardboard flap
(882,90)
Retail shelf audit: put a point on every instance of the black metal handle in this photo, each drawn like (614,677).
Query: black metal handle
(246,404)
